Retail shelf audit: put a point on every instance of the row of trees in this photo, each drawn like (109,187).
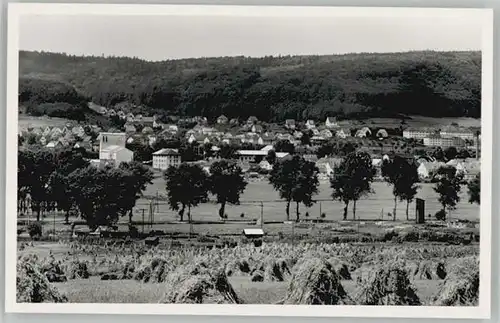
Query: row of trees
(296,180)
(273,88)
(64,181)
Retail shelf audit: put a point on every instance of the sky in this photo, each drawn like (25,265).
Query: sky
(171,37)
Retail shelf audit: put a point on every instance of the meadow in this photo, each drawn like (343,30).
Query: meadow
(375,206)
(25,122)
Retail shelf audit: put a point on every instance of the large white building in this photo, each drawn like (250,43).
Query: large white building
(112,148)
(418,133)
(164,158)
(443,142)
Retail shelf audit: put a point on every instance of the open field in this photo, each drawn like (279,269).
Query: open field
(25,122)
(373,207)
(138,274)
(413,121)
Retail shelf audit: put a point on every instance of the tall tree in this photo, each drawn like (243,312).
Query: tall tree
(448,187)
(226,183)
(450,153)
(474,187)
(137,177)
(403,176)
(295,180)
(271,157)
(352,179)
(100,194)
(187,186)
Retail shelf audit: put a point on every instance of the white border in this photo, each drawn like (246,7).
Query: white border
(483,311)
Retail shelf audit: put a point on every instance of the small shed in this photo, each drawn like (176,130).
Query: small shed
(255,235)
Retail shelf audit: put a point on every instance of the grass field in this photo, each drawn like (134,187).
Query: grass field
(374,206)
(25,122)
(414,121)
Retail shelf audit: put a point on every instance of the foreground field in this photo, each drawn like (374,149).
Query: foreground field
(276,273)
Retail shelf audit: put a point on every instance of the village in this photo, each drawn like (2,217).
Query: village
(158,144)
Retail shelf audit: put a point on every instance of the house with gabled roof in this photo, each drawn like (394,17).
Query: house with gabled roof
(325,133)
(147,130)
(290,124)
(363,132)
(331,122)
(252,120)
(54,144)
(129,128)
(222,119)
(343,133)
(382,133)
(310,124)
(257,128)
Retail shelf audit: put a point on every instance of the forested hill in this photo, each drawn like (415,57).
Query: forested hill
(272,88)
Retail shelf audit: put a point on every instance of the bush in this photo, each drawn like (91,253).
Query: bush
(35,230)
(440,215)
(323,215)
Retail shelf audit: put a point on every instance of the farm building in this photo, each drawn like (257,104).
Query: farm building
(164,158)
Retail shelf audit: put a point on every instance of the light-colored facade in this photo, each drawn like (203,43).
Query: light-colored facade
(164,158)
(112,148)
(438,141)
(417,133)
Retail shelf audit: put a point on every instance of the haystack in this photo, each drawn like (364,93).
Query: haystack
(341,268)
(275,270)
(388,285)
(461,286)
(33,286)
(77,269)
(152,270)
(210,287)
(53,270)
(257,276)
(315,281)
(238,267)
(427,270)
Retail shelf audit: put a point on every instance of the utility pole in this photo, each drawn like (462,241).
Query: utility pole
(320,209)
(142,221)
(261,215)
(54,225)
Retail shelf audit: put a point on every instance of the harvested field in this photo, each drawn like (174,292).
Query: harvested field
(304,273)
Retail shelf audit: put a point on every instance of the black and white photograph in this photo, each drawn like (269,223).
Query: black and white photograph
(334,158)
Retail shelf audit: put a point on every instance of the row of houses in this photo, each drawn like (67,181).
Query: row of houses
(469,168)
